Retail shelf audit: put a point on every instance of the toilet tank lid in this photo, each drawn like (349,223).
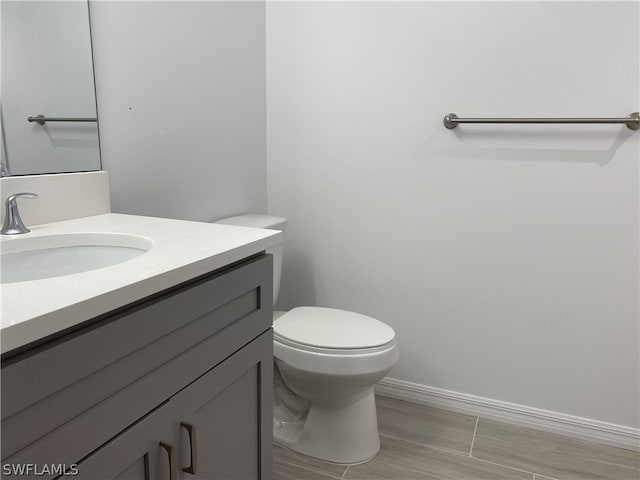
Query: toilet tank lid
(256,220)
(332,328)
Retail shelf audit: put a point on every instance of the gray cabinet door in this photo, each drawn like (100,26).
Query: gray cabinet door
(135,454)
(223,420)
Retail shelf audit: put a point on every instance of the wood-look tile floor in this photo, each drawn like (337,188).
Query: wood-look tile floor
(419,442)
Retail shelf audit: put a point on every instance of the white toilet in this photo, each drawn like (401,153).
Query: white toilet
(326,363)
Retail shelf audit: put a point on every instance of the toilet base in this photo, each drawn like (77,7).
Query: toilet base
(340,430)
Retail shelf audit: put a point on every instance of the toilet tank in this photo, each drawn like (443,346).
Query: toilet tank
(269,222)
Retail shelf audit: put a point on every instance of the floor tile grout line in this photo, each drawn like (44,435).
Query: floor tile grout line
(473,439)
(506,466)
(457,453)
(345,472)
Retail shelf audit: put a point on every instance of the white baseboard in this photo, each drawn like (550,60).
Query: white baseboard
(577,427)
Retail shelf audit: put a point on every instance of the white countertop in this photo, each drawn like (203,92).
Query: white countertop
(182,250)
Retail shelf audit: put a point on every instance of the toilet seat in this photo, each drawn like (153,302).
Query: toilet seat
(331,341)
(313,328)
(337,363)
(330,351)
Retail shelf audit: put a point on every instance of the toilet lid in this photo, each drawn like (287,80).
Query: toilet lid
(331,328)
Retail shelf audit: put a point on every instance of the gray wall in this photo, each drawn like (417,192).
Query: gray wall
(505,257)
(181,101)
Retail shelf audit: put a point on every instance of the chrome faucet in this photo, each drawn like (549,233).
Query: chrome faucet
(12,222)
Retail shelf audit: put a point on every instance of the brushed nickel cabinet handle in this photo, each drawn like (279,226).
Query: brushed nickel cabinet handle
(171,452)
(191,430)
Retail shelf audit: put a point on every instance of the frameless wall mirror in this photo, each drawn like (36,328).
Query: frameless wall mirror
(47,74)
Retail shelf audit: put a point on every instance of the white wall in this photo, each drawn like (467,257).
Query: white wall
(46,68)
(181,99)
(505,257)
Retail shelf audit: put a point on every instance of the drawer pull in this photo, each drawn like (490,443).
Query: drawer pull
(191,430)
(171,452)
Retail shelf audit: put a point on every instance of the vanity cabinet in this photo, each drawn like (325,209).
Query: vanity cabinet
(177,386)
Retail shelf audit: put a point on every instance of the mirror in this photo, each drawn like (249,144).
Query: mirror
(47,71)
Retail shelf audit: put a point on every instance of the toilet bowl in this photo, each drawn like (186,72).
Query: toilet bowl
(324,405)
(326,362)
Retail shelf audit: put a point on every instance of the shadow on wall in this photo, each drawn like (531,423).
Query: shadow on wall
(298,281)
(477,137)
(75,136)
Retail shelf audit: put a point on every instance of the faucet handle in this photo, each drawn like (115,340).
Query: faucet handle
(12,222)
(12,198)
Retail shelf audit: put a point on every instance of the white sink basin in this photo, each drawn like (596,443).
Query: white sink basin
(34,258)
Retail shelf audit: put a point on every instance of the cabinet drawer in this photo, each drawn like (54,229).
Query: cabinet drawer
(123,365)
